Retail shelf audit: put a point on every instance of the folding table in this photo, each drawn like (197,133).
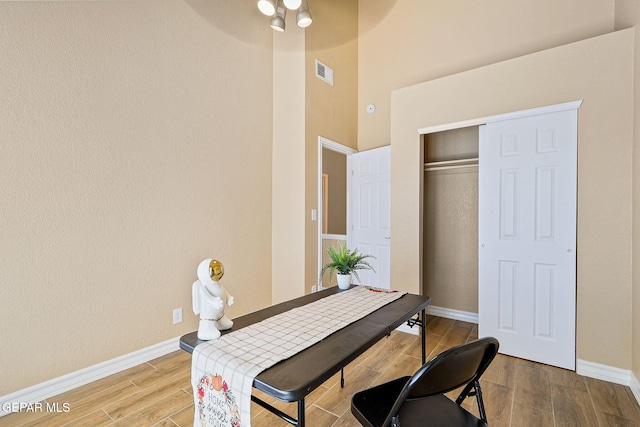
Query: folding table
(291,380)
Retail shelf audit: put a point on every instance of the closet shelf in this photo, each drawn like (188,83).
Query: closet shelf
(451,164)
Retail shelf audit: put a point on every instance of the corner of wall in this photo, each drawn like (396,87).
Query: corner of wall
(635,387)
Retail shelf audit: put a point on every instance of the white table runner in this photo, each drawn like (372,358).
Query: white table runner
(223,370)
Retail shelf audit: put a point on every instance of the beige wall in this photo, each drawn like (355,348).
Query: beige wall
(450,266)
(135,142)
(636,210)
(289,168)
(330,110)
(628,15)
(405,42)
(597,70)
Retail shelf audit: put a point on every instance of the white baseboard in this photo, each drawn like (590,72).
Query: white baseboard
(449,313)
(635,387)
(603,372)
(611,374)
(55,386)
(408,329)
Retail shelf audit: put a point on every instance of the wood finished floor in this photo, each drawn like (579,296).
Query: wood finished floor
(516,392)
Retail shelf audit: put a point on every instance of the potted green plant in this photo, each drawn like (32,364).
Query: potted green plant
(346,262)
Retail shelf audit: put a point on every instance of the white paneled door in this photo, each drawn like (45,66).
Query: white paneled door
(369,213)
(527,227)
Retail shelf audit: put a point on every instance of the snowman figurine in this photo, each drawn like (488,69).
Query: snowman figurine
(210,299)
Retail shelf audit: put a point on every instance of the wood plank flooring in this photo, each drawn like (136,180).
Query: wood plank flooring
(516,392)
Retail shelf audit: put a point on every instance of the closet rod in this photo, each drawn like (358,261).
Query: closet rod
(442,168)
(451,164)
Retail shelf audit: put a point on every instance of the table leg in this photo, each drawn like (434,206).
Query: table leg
(300,413)
(423,324)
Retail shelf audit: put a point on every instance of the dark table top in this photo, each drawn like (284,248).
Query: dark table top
(295,377)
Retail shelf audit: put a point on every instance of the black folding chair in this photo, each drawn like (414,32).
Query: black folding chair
(419,400)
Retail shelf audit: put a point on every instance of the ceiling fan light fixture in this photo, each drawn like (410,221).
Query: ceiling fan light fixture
(277,10)
(267,7)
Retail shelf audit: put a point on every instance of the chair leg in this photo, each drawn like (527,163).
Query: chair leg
(478,392)
(466,392)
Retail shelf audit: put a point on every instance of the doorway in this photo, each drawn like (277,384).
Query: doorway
(527,183)
(450,232)
(333,193)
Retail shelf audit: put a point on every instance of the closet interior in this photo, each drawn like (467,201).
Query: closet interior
(450,264)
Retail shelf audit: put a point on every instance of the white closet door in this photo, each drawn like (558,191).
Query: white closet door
(527,236)
(369,213)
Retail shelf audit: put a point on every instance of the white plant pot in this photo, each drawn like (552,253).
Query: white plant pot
(344,280)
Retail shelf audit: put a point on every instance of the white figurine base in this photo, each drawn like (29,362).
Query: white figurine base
(207,330)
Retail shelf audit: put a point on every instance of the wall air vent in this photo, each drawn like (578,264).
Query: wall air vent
(324,72)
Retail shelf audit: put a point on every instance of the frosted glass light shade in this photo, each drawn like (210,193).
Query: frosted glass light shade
(303,18)
(292,4)
(267,7)
(277,23)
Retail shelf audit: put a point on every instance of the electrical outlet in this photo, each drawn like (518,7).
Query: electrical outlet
(177,316)
(314,289)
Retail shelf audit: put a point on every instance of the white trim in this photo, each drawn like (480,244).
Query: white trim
(603,372)
(635,387)
(335,146)
(339,148)
(334,237)
(451,126)
(449,313)
(573,105)
(55,386)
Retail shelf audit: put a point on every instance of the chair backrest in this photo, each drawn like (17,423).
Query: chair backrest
(453,368)
(449,370)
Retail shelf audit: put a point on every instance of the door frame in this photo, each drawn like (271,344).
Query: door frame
(342,149)
(573,105)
